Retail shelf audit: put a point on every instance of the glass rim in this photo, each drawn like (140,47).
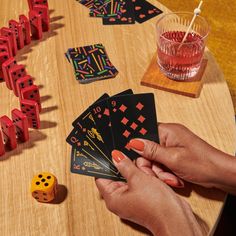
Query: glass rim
(186,13)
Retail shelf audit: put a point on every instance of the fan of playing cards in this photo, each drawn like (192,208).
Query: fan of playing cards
(108,124)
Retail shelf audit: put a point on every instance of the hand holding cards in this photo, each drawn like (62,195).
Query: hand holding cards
(108,124)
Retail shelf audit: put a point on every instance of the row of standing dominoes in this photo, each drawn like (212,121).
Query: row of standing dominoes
(12,39)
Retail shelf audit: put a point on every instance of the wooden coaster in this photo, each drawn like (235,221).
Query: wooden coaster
(154,78)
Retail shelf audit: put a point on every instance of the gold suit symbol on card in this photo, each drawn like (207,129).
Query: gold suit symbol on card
(87,144)
(91,118)
(98,135)
(92,165)
(79,154)
(91,133)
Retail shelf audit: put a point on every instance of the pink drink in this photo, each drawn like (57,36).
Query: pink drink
(180,62)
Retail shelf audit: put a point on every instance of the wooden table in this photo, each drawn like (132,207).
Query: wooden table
(130,49)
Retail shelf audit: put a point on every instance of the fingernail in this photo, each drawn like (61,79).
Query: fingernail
(117,156)
(173,183)
(136,144)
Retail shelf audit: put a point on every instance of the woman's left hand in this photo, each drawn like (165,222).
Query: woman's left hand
(147,201)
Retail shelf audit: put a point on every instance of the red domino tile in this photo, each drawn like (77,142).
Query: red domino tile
(35,25)
(24,21)
(31,93)
(6,41)
(17,28)
(11,35)
(23,82)
(15,73)
(9,133)
(6,66)
(4,48)
(20,121)
(31,110)
(2,147)
(3,57)
(30,4)
(44,13)
(40,2)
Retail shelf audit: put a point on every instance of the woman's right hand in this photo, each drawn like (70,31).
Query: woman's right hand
(188,157)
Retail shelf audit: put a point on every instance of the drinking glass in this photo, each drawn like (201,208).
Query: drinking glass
(176,60)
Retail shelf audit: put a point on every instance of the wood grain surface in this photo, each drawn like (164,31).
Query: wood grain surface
(130,49)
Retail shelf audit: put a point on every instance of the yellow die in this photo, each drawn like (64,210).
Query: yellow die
(44,187)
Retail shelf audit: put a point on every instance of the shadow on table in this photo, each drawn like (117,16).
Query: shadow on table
(213,72)
(35,136)
(61,195)
(136,227)
(21,54)
(209,193)
(141,229)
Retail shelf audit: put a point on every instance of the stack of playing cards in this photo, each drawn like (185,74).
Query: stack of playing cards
(91,63)
(108,124)
(117,12)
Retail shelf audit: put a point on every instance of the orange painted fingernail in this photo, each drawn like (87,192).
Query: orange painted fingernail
(117,156)
(170,182)
(173,183)
(136,144)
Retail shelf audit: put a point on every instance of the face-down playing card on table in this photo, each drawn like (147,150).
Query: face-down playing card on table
(106,8)
(126,16)
(132,116)
(144,10)
(81,164)
(91,63)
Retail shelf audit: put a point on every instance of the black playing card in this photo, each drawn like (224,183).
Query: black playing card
(79,120)
(84,144)
(144,10)
(132,116)
(86,124)
(101,117)
(106,9)
(80,164)
(127,15)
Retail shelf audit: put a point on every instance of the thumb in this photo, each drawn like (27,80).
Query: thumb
(155,152)
(125,166)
